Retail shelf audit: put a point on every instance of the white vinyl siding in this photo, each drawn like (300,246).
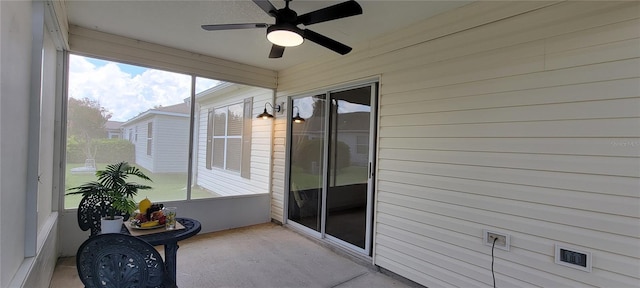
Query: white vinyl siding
(528,125)
(140,146)
(169,150)
(229,183)
(171,142)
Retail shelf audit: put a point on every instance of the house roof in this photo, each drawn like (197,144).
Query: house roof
(179,110)
(113,125)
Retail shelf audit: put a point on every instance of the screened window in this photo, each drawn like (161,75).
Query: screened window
(157,106)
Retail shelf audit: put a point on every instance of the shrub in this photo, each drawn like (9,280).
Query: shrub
(311,151)
(107,150)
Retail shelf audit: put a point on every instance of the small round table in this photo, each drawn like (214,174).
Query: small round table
(169,239)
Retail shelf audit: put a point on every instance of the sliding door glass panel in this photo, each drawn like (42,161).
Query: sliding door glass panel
(307,169)
(347,189)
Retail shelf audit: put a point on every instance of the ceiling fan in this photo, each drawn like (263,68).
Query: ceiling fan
(286,33)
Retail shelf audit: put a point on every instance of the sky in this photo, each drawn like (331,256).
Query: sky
(127,90)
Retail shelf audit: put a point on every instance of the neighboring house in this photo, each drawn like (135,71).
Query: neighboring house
(353,131)
(161,138)
(114,129)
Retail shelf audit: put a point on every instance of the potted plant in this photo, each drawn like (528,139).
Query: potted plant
(112,185)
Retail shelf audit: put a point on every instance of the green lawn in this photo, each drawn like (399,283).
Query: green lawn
(345,176)
(166,186)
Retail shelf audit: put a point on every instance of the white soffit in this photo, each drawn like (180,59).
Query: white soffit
(177,24)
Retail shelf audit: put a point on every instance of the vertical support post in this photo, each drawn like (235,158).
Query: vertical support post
(33,147)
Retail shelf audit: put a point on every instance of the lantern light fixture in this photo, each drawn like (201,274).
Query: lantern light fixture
(265,115)
(297,118)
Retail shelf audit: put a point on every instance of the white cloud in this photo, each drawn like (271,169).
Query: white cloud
(123,94)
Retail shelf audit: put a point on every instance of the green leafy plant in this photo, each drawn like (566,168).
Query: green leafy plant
(112,183)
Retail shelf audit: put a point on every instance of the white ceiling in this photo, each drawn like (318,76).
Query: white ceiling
(177,24)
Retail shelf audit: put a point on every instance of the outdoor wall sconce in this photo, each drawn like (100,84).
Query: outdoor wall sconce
(297,119)
(265,114)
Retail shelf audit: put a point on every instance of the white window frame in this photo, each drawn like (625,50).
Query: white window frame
(226,138)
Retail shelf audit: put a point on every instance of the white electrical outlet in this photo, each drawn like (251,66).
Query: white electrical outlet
(503,240)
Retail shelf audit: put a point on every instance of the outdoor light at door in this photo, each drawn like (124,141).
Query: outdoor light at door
(297,118)
(265,114)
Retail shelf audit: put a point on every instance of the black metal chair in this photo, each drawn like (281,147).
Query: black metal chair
(121,260)
(91,209)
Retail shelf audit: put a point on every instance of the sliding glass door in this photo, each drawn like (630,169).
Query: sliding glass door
(331,162)
(306,171)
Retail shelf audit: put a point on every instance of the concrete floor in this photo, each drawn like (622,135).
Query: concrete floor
(266,255)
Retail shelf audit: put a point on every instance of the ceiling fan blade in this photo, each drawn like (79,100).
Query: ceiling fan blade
(216,27)
(341,10)
(267,7)
(326,42)
(276,51)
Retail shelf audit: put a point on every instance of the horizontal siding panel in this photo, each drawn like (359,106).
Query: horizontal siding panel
(468,236)
(437,264)
(508,263)
(428,31)
(621,147)
(514,31)
(615,32)
(541,262)
(263,155)
(474,264)
(471,15)
(411,209)
(406,172)
(478,95)
(596,54)
(564,128)
(626,226)
(434,76)
(615,166)
(426,113)
(230,186)
(622,69)
(524,57)
(602,203)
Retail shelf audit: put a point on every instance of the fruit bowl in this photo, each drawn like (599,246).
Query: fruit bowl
(152,218)
(146,227)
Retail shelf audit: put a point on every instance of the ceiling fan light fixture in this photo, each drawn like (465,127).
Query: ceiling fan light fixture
(284,35)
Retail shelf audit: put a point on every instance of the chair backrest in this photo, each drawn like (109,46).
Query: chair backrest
(120,260)
(91,208)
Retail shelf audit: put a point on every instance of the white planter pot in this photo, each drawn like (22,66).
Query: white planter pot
(111,226)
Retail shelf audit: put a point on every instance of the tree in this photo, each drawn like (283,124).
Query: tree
(86,121)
